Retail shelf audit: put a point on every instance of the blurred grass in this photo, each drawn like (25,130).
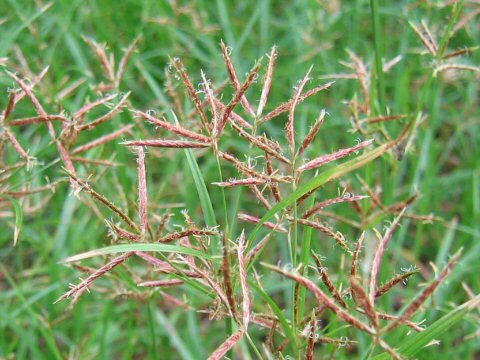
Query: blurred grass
(444,165)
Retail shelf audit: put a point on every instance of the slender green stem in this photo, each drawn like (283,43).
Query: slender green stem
(229,330)
(294,245)
(304,259)
(254,347)
(222,190)
(228,320)
(151,328)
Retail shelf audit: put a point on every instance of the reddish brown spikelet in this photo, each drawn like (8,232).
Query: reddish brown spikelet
(362,300)
(99,51)
(384,118)
(233,77)
(69,89)
(117,231)
(242,269)
(424,38)
(328,283)
(311,134)
(363,76)
(160,264)
(254,220)
(356,253)
(87,107)
(94,162)
(311,341)
(324,299)
(325,159)
(161,283)
(142,190)
(429,35)
(172,128)
(378,256)
(394,281)
(65,157)
(35,190)
(181,234)
(339,199)
(178,65)
(259,195)
(165,267)
(338,342)
(281,347)
(124,60)
(241,182)
(174,301)
(424,295)
(408,323)
(102,140)
(37,119)
(273,187)
(10,106)
(459,52)
(16,145)
(373,196)
(227,281)
(227,345)
(179,144)
(115,110)
(235,99)
(289,127)
(447,66)
(326,230)
(209,94)
(268,81)
(286,106)
(387,66)
(79,289)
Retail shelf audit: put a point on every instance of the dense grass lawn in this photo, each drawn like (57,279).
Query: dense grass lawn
(240,179)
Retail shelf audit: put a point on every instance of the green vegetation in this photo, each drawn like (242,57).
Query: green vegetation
(239,179)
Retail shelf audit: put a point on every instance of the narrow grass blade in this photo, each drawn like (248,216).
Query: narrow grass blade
(304,259)
(137,247)
(287,330)
(203,195)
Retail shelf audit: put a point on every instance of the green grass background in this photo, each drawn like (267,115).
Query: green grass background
(443,165)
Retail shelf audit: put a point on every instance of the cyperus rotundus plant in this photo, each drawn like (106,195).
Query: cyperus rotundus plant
(222,265)
(211,256)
